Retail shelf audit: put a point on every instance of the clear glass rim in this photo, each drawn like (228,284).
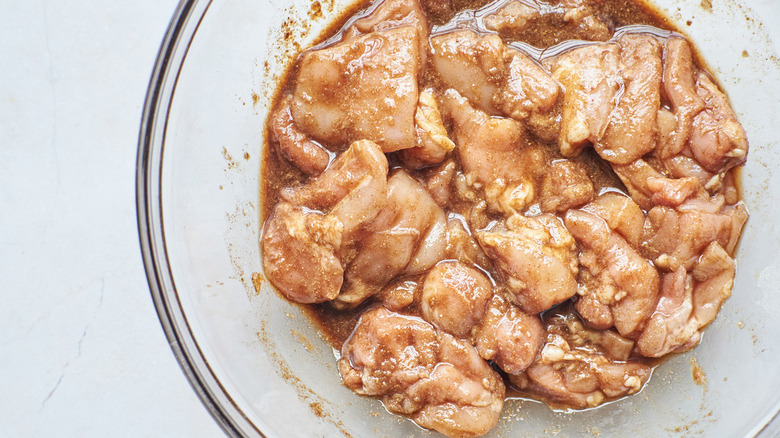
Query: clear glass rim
(151,230)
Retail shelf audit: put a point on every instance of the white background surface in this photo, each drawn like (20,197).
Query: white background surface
(82,352)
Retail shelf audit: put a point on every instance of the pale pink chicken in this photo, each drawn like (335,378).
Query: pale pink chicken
(537,258)
(294,146)
(649,187)
(432,144)
(496,78)
(454,297)
(494,155)
(688,303)
(714,276)
(508,337)
(632,130)
(399,294)
(576,16)
(513,16)
(392,14)
(438,182)
(621,214)
(530,92)
(407,236)
(353,188)
(591,79)
(676,237)
(680,92)
(302,247)
(364,87)
(299,254)
(580,367)
(470,64)
(440,382)
(718,141)
(580,15)
(618,287)
(463,246)
(681,166)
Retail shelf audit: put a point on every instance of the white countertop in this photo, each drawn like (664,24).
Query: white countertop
(82,353)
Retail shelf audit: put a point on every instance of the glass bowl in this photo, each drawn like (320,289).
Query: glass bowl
(255,360)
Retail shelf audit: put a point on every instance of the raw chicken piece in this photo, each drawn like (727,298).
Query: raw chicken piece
(438,381)
(631,132)
(529,92)
(392,14)
(462,246)
(493,155)
(454,297)
(714,275)
(591,78)
(294,146)
(565,185)
(688,303)
(621,214)
(433,144)
(617,286)
(438,182)
(302,247)
(718,141)
(676,237)
(407,236)
(537,257)
(496,78)
(470,64)
(508,336)
(649,187)
(580,367)
(299,254)
(678,84)
(364,87)
(580,14)
(353,188)
(399,294)
(671,327)
(513,16)
(681,166)
(577,17)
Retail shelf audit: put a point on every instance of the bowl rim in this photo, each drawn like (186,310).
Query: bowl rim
(175,45)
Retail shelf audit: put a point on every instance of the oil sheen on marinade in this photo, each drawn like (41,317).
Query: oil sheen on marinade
(480,199)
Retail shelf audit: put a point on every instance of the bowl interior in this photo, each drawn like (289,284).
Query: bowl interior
(262,364)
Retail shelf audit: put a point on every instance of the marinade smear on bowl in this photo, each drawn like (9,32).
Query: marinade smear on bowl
(474,199)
